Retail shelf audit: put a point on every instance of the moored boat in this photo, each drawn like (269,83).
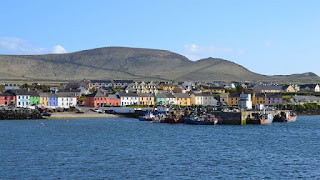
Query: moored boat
(286,116)
(204,119)
(258,118)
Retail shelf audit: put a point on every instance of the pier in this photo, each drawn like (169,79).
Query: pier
(19,114)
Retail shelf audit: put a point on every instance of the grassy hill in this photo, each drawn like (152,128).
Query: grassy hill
(129,63)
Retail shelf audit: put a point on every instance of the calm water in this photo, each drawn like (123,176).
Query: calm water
(127,148)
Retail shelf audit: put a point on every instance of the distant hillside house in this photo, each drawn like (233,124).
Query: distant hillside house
(214,89)
(143,87)
(310,88)
(11,86)
(304,99)
(121,83)
(288,88)
(268,89)
(98,84)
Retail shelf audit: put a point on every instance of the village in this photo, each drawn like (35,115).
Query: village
(129,93)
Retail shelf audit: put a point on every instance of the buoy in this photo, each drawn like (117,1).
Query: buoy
(42,124)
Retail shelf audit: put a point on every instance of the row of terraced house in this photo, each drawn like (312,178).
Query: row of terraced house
(26,99)
(99,99)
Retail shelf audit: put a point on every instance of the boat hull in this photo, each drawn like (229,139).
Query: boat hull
(194,122)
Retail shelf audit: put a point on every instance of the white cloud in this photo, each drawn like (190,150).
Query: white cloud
(58,49)
(13,45)
(18,46)
(194,52)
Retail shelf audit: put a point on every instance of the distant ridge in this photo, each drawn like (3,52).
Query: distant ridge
(130,63)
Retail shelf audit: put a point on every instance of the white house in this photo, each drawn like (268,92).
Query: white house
(203,99)
(66,100)
(245,101)
(128,98)
(22,99)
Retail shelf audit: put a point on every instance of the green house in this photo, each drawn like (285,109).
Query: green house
(34,98)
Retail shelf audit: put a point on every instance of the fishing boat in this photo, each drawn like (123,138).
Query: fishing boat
(147,117)
(159,118)
(286,116)
(257,118)
(204,119)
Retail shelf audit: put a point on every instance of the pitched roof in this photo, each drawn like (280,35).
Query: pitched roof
(202,94)
(305,98)
(145,95)
(161,95)
(101,81)
(65,94)
(270,88)
(47,95)
(181,95)
(129,94)
(113,96)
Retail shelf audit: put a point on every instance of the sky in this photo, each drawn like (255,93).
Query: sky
(268,37)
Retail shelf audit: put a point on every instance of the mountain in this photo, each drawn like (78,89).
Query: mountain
(129,63)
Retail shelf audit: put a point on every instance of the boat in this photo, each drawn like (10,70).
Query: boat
(159,118)
(286,116)
(173,119)
(257,118)
(204,119)
(147,117)
(46,114)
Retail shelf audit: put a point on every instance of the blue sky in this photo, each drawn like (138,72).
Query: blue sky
(268,37)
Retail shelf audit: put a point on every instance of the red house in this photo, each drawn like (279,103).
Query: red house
(7,98)
(96,99)
(113,100)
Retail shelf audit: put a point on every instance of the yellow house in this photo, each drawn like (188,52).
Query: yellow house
(182,99)
(258,99)
(168,87)
(289,88)
(233,99)
(44,99)
(146,99)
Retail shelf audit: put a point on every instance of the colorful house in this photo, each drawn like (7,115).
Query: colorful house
(273,99)
(34,98)
(113,100)
(182,99)
(161,99)
(233,99)
(258,98)
(44,97)
(7,98)
(146,99)
(52,100)
(168,87)
(96,99)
